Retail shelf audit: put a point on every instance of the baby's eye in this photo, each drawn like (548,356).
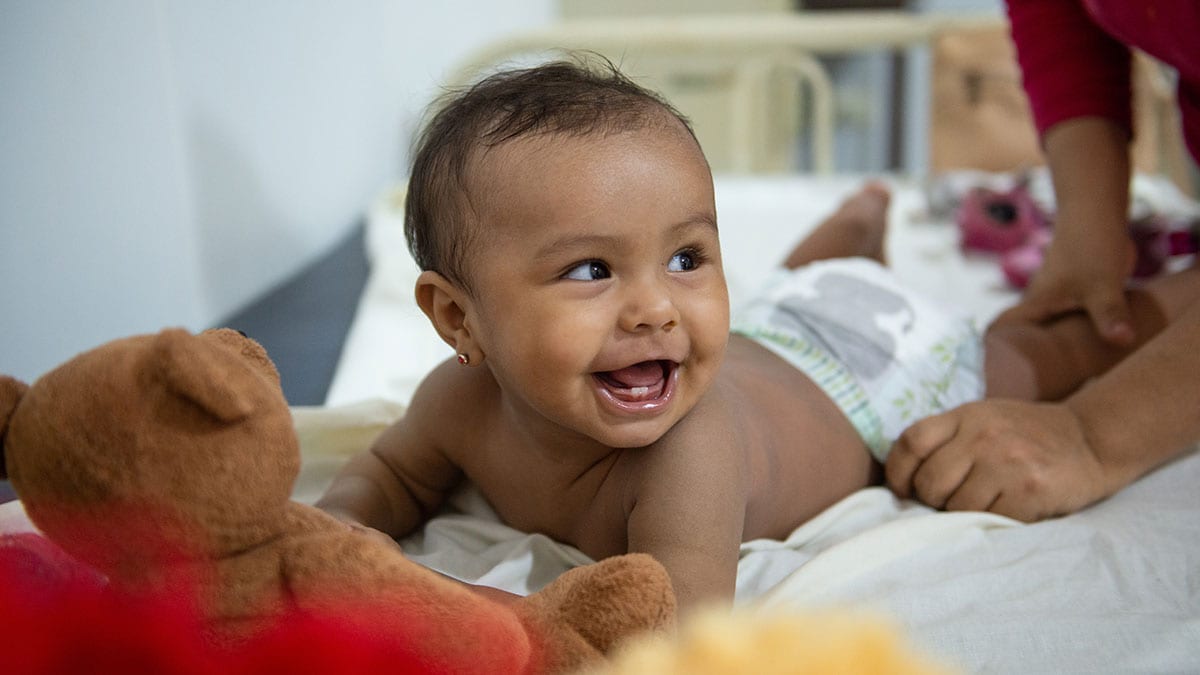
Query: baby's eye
(684,261)
(591,270)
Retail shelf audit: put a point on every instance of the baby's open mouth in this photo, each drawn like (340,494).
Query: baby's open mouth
(645,381)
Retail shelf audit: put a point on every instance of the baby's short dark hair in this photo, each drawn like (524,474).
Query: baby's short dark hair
(579,97)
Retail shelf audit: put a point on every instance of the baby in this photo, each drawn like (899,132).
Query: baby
(565,222)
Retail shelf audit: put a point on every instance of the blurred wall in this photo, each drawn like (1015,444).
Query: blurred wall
(914,135)
(162,162)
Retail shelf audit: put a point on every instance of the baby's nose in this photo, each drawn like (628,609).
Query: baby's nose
(649,306)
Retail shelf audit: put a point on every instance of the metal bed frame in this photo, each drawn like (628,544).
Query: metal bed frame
(753,44)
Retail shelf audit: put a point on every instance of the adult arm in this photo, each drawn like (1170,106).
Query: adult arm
(1146,410)
(1036,460)
(1091,256)
(1077,78)
(1070,66)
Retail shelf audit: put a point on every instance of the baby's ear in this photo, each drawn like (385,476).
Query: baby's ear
(446,305)
(208,375)
(12,391)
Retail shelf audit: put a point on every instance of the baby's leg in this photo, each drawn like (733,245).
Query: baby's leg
(857,228)
(1048,361)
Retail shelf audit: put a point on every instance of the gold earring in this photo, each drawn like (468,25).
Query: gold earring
(464,359)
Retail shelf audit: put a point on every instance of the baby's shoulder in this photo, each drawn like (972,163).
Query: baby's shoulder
(713,430)
(718,415)
(450,394)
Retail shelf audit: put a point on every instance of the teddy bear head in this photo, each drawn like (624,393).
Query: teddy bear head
(186,439)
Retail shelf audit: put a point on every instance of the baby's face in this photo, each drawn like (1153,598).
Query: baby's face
(600,300)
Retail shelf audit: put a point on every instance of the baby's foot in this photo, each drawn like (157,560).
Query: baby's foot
(865,214)
(856,229)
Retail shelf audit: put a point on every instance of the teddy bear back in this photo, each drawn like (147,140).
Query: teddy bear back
(170,443)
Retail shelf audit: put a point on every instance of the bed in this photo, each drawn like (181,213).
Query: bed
(1114,588)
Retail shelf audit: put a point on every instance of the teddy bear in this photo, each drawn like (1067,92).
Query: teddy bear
(166,463)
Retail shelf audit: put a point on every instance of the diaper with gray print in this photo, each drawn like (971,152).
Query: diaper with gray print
(887,355)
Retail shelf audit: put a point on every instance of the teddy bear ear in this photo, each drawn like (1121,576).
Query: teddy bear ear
(11,392)
(206,374)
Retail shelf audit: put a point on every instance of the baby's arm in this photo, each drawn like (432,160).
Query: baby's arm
(689,514)
(392,487)
(400,481)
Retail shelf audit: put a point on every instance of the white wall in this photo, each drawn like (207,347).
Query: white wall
(162,162)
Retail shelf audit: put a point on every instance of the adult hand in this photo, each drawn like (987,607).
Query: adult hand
(1083,273)
(1023,460)
(1091,256)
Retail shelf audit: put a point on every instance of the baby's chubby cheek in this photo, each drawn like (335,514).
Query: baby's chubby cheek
(714,356)
(711,336)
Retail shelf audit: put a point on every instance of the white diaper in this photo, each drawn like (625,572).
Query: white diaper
(887,355)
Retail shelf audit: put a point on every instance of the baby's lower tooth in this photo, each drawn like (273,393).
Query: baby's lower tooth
(640,391)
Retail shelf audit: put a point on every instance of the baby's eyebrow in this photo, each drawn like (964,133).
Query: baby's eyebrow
(708,220)
(702,221)
(572,242)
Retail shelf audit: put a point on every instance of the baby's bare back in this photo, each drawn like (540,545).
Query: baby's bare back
(765,428)
(804,454)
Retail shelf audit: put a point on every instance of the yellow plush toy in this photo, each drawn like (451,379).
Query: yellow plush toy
(164,458)
(772,642)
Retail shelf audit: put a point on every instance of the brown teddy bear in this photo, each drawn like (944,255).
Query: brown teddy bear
(170,458)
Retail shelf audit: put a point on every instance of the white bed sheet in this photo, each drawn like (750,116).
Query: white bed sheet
(1115,588)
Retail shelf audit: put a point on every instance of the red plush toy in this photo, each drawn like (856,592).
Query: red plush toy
(61,618)
(1012,224)
(999,220)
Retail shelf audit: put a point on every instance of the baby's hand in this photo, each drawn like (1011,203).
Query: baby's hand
(1023,460)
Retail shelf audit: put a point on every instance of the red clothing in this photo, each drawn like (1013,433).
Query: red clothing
(1075,61)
